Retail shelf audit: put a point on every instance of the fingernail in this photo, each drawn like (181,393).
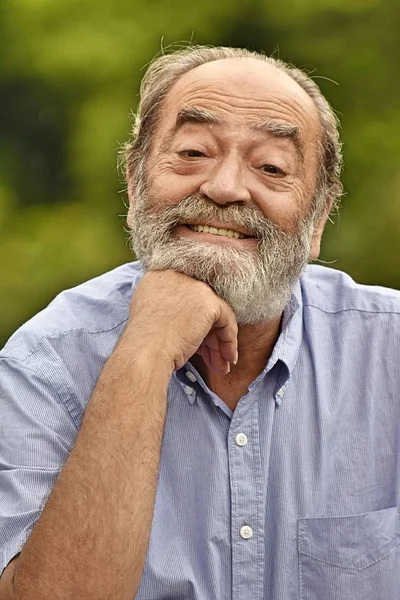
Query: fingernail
(237,358)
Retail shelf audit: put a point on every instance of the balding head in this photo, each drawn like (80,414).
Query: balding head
(166,72)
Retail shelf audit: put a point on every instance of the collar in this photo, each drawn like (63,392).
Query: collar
(286,351)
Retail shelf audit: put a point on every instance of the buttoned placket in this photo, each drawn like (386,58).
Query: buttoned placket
(247,501)
(248,474)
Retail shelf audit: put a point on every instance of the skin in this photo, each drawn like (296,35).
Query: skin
(231,163)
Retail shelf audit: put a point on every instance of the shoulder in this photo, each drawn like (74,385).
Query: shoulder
(94,308)
(332,291)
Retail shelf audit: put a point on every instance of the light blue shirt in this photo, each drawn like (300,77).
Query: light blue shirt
(293,496)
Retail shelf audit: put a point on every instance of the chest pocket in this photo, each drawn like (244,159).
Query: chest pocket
(355,557)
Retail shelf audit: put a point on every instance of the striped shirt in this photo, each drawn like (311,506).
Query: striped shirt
(294,495)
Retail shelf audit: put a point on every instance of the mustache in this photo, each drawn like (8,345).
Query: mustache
(196,207)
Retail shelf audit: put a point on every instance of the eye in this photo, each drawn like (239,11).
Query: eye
(192,153)
(271,169)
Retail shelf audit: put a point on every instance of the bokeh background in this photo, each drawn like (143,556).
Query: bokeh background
(69,77)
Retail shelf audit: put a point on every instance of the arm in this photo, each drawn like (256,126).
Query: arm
(92,536)
(91,539)
(7,580)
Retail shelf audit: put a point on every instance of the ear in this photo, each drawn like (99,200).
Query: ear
(132,199)
(318,231)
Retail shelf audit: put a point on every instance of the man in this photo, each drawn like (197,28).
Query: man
(217,421)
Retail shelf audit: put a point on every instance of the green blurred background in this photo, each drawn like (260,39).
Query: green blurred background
(69,77)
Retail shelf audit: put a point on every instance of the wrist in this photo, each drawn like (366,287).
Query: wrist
(145,354)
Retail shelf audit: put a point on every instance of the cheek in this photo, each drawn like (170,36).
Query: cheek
(169,187)
(284,208)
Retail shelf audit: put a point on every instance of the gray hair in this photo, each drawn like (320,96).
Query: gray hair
(166,69)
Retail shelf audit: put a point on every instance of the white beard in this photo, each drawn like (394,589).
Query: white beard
(257,285)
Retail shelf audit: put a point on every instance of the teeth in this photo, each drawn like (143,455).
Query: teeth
(215,231)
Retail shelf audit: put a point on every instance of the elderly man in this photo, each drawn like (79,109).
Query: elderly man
(218,420)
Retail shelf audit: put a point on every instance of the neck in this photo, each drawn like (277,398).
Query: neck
(255,345)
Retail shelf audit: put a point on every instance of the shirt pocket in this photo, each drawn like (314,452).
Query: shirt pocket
(355,557)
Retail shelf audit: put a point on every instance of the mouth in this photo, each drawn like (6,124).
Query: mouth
(230,233)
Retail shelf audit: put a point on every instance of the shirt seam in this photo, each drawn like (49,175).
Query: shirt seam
(254,420)
(14,547)
(59,334)
(61,388)
(363,310)
(350,568)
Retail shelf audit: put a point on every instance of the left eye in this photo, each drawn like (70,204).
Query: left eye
(271,169)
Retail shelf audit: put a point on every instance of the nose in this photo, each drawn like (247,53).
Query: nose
(226,182)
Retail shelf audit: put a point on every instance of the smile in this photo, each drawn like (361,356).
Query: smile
(216,231)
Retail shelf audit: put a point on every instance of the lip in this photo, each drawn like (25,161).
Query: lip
(220,226)
(185,231)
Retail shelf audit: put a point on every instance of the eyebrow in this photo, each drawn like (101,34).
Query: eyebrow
(282,131)
(200,116)
(190,114)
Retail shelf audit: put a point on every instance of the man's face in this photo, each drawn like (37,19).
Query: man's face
(235,150)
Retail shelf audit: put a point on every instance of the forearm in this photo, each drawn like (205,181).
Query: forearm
(92,537)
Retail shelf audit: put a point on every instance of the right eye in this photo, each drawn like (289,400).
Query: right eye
(192,153)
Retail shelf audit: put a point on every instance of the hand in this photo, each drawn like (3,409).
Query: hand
(183,316)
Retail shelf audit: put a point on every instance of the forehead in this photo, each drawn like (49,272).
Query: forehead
(244,90)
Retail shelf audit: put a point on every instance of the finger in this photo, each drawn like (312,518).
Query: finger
(213,358)
(218,363)
(212,340)
(229,351)
(219,351)
(204,352)
(226,329)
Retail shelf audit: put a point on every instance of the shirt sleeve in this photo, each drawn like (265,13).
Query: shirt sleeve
(37,432)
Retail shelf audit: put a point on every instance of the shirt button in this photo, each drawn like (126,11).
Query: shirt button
(241,439)
(246,532)
(280,393)
(191,376)
(189,390)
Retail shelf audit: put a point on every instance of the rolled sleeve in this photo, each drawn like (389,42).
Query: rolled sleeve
(37,433)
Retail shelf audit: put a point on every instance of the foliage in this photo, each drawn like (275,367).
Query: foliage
(69,76)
